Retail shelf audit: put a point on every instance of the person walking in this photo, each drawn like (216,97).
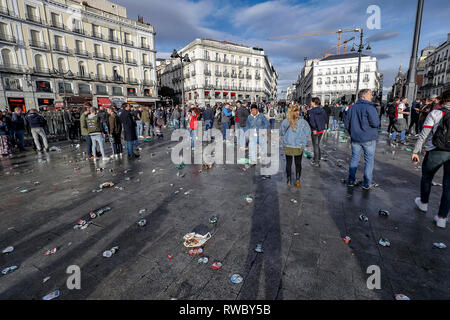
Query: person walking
(84,131)
(327,110)
(37,124)
(95,128)
(193,123)
(294,132)
(271,115)
(391,114)
(436,137)
(17,131)
(415,117)
(226,116)
(5,140)
(256,133)
(208,116)
(362,122)
(400,123)
(129,130)
(176,118)
(242,113)
(115,129)
(318,119)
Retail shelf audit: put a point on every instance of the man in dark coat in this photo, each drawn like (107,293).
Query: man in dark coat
(129,129)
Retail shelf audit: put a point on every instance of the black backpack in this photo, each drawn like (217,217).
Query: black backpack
(441,138)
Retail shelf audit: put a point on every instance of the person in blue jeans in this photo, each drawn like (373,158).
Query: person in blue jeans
(362,122)
(18,128)
(256,132)
(208,116)
(226,116)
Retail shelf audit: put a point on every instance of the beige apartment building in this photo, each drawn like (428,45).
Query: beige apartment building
(220,71)
(64,52)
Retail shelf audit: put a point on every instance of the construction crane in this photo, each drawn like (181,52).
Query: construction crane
(344,43)
(300,35)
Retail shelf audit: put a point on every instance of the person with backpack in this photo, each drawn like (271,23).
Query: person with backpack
(436,137)
(391,113)
(294,132)
(37,124)
(318,119)
(400,123)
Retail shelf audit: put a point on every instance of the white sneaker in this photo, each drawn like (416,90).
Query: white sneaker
(440,222)
(95,158)
(422,206)
(120,155)
(105,158)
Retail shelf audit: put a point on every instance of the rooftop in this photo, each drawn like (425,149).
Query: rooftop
(344,56)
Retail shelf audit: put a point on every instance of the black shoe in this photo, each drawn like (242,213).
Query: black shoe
(136,155)
(47,149)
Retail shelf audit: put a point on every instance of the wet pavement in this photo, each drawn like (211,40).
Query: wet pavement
(304,255)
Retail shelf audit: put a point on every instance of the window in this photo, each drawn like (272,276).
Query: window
(79,46)
(97,50)
(101,89)
(39,62)
(84,88)
(55,19)
(35,37)
(100,70)
(43,86)
(117,91)
(131,91)
(82,69)
(64,87)
(61,65)
(59,43)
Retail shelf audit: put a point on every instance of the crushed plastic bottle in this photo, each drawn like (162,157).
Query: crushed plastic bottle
(142,223)
(383,213)
(52,295)
(439,245)
(248,198)
(293,201)
(196,252)
(181,166)
(142,211)
(400,296)
(45,279)
(236,278)
(259,248)
(203,260)
(384,242)
(213,220)
(8,249)
(436,184)
(50,252)
(216,265)
(347,239)
(9,270)
(363,218)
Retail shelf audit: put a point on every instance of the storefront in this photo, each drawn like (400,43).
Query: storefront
(104,102)
(43,103)
(16,102)
(151,102)
(78,101)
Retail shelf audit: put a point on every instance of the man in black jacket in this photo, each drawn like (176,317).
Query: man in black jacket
(242,113)
(129,130)
(37,124)
(317,120)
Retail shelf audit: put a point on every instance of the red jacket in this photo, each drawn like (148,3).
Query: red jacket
(194,122)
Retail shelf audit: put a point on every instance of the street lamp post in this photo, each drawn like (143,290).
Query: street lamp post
(360,49)
(62,74)
(175,55)
(411,86)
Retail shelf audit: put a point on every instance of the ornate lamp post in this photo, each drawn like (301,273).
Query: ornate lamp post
(176,55)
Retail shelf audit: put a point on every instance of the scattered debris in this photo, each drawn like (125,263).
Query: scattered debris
(247,198)
(236,278)
(9,270)
(216,265)
(52,295)
(307,155)
(383,213)
(142,211)
(259,248)
(347,239)
(363,218)
(45,279)
(213,220)
(109,253)
(439,245)
(142,223)
(8,250)
(170,256)
(293,201)
(400,296)
(195,252)
(436,184)
(181,166)
(24,191)
(106,185)
(181,175)
(203,260)
(54,148)
(154,170)
(384,242)
(193,239)
(50,252)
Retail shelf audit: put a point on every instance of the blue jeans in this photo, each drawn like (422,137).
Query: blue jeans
(208,129)
(176,124)
(225,127)
(98,138)
(184,123)
(254,141)
(18,135)
(88,145)
(402,135)
(129,146)
(333,123)
(192,134)
(369,158)
(139,128)
(272,123)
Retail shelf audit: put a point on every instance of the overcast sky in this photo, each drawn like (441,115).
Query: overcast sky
(249,22)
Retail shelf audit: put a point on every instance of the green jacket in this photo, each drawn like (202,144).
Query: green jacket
(84,130)
(145,116)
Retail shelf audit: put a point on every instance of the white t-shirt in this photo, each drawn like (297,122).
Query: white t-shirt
(401,107)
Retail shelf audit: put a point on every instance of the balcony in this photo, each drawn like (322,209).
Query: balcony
(58,25)
(132,81)
(99,55)
(226,74)
(131,61)
(234,75)
(61,49)
(65,91)
(128,42)
(209,86)
(218,73)
(41,71)
(78,30)
(241,76)
(116,59)
(319,83)
(113,39)
(84,76)
(101,78)
(97,35)
(33,18)
(226,60)
(80,52)
(38,45)
(147,64)
(207,72)
(241,63)
(328,82)
(187,75)
(148,83)
(248,76)
(7,38)
(7,12)
(145,46)
(193,73)
(258,77)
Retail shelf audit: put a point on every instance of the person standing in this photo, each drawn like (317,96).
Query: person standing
(391,113)
(362,122)
(18,128)
(96,130)
(243,114)
(294,132)
(5,141)
(256,133)
(317,120)
(208,116)
(415,117)
(272,114)
(436,137)
(37,124)
(400,123)
(327,110)
(193,123)
(115,129)
(226,116)
(129,130)
(84,131)
(145,118)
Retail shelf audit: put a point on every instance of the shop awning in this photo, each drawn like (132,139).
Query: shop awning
(233,93)
(143,100)
(105,102)
(206,93)
(217,92)
(225,93)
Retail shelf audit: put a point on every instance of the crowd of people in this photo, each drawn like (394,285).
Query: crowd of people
(430,118)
